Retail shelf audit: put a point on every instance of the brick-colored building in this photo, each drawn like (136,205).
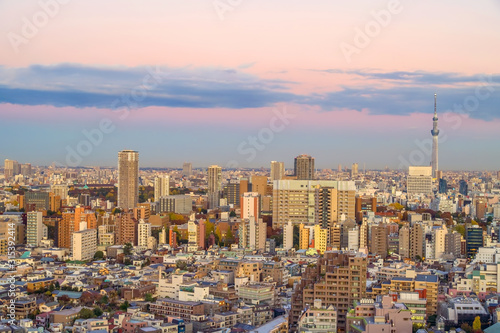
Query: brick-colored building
(337,279)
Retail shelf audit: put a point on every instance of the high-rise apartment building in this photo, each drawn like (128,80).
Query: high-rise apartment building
(338,279)
(126,229)
(26,170)
(34,230)
(252,234)
(417,237)
(304,167)
(143,234)
(419,180)
(162,186)
(404,242)
(65,228)
(214,185)
(84,244)
(411,241)
(259,185)
(277,170)
(288,236)
(250,205)
(453,244)
(11,169)
(128,179)
(379,244)
(354,170)
(321,238)
(303,237)
(187,169)
(214,178)
(232,192)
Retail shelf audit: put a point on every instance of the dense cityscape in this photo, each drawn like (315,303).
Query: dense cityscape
(242,250)
(234,166)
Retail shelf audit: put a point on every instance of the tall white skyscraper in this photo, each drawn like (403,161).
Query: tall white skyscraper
(162,186)
(435,141)
(128,179)
(34,230)
(277,170)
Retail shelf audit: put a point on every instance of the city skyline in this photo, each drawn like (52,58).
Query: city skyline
(343,98)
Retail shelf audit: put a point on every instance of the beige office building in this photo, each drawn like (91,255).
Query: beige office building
(128,179)
(419,180)
(312,202)
(277,170)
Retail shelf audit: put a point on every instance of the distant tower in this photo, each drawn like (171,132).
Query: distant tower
(435,141)
(128,179)
(304,167)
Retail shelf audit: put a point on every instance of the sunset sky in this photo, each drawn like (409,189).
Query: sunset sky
(193,80)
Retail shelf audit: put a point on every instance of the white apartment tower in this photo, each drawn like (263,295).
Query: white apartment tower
(162,187)
(34,230)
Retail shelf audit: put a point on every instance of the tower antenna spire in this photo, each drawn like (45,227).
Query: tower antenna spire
(435,104)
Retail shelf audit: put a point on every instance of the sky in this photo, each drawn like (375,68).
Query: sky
(240,83)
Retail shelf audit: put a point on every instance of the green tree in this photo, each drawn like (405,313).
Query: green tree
(232,214)
(476,325)
(86,313)
(181,264)
(460,228)
(97,312)
(124,306)
(116,211)
(104,300)
(149,297)
(99,255)
(127,249)
(296,236)
(278,239)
